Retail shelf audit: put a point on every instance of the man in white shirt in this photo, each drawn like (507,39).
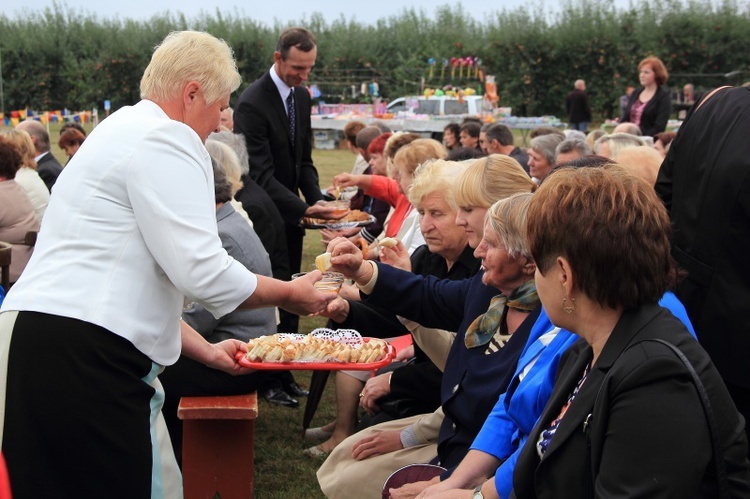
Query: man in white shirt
(130,233)
(273,114)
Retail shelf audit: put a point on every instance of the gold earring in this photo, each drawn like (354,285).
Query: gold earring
(569,309)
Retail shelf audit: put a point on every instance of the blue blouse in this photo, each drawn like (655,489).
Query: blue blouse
(508,426)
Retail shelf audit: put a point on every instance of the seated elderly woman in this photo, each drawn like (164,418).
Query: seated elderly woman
(446,255)
(629,412)
(542,155)
(403,223)
(17,216)
(609,145)
(494,453)
(26,176)
(478,366)
(190,378)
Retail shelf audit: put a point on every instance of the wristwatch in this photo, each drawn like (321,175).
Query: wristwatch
(478,493)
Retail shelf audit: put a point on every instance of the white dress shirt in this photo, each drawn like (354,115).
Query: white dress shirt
(130,232)
(282,87)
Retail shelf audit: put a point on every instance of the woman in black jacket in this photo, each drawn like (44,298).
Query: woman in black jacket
(650,105)
(625,418)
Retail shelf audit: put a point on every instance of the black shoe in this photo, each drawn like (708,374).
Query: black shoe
(295,390)
(279,397)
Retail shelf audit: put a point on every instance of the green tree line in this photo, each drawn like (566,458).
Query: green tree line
(59,58)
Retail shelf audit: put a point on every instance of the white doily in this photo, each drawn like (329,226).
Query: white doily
(347,336)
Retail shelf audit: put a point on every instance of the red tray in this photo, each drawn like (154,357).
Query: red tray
(318,366)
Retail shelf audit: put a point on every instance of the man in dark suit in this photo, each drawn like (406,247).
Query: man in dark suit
(273,114)
(47,165)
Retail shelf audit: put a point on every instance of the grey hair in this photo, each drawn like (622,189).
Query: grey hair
(630,128)
(618,142)
(570,145)
(507,220)
(546,145)
(222,185)
(236,141)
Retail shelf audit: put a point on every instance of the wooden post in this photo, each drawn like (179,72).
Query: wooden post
(217,452)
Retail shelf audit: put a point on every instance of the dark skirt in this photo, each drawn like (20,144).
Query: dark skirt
(78,411)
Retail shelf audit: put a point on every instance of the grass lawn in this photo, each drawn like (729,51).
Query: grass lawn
(282,471)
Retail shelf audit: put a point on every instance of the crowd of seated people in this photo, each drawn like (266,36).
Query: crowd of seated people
(413,388)
(27,176)
(17,213)
(611,191)
(537,284)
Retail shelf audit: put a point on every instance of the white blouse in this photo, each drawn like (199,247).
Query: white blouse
(130,232)
(35,188)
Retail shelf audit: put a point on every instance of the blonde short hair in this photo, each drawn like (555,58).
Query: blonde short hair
(186,56)
(414,154)
(435,176)
(22,140)
(226,157)
(487,180)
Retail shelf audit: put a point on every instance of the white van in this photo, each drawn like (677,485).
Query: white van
(437,106)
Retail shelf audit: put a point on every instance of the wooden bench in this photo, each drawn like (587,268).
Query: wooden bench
(217,448)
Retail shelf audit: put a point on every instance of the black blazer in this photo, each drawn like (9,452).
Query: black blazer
(648,433)
(656,113)
(268,224)
(48,169)
(281,168)
(705,185)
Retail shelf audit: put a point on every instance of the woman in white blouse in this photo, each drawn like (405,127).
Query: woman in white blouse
(129,235)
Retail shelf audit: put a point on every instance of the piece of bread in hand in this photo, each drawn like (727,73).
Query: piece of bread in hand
(389,242)
(323,262)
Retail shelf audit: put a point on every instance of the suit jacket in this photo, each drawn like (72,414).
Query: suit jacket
(705,185)
(242,244)
(49,169)
(640,409)
(656,113)
(268,225)
(577,106)
(282,168)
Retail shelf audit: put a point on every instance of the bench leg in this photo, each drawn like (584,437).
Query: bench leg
(217,458)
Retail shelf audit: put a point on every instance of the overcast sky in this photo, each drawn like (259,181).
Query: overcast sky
(282,12)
